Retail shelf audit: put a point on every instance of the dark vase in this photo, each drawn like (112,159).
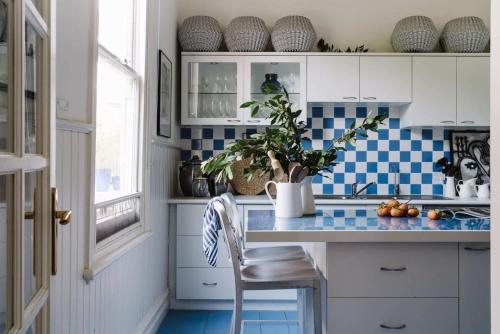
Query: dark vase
(271,82)
(189,170)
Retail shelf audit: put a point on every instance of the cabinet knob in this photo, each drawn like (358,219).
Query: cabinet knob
(403,326)
(209,284)
(477,249)
(393,269)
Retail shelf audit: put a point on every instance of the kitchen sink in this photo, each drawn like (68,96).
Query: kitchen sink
(380,197)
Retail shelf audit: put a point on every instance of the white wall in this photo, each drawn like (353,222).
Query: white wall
(132,290)
(495,154)
(343,22)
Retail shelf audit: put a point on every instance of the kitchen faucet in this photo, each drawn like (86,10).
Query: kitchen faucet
(355,192)
(395,172)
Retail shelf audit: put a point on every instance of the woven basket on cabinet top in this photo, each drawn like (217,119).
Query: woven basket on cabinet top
(246,33)
(293,34)
(200,33)
(415,34)
(465,34)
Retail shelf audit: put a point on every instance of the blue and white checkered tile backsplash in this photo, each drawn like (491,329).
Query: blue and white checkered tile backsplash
(411,151)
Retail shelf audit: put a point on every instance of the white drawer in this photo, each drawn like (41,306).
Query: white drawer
(190,252)
(368,315)
(190,219)
(218,283)
(392,270)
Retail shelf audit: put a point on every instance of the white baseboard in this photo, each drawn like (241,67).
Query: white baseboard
(155,316)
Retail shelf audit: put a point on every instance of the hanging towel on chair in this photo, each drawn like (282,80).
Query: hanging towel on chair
(211,227)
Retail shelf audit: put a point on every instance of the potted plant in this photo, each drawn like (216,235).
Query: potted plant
(285,138)
(450,172)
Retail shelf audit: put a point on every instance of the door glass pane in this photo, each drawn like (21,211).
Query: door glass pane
(6,121)
(30,246)
(212,90)
(276,75)
(32,42)
(6,183)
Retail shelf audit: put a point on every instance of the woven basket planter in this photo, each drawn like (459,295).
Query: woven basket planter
(200,33)
(415,34)
(240,183)
(293,34)
(465,34)
(246,33)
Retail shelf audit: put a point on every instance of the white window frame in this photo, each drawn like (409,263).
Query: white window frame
(102,254)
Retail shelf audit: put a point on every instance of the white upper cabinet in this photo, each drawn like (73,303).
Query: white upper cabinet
(385,79)
(212,90)
(333,79)
(434,93)
(287,72)
(473,91)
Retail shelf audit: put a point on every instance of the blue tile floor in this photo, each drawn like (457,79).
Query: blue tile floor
(218,322)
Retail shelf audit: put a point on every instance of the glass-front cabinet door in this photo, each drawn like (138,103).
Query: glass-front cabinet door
(279,72)
(212,90)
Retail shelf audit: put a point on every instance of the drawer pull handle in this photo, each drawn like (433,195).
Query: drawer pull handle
(447,122)
(349,98)
(393,269)
(371,98)
(392,327)
(233,121)
(209,284)
(479,249)
(253,121)
(467,122)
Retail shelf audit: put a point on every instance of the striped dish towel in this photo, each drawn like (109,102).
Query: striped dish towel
(211,227)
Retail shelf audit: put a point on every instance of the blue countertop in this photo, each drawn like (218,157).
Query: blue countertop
(363,226)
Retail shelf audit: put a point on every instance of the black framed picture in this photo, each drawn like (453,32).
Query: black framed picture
(470,152)
(164,118)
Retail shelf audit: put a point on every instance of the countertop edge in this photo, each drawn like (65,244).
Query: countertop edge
(262,200)
(368,236)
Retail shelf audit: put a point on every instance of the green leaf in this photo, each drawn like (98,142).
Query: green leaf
(247,104)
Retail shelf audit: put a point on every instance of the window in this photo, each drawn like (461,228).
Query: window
(118,117)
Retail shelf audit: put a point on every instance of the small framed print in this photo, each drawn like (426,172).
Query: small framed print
(164,121)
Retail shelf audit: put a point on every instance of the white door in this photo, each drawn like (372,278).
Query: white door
(212,90)
(385,79)
(332,78)
(287,72)
(434,93)
(473,91)
(27,220)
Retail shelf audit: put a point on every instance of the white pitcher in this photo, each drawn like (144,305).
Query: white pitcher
(483,191)
(449,187)
(308,206)
(288,202)
(465,190)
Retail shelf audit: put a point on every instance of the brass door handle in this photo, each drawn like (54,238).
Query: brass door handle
(64,218)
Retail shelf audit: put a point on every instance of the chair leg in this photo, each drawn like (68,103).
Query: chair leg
(317,309)
(237,310)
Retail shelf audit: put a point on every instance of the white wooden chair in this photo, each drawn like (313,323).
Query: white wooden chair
(298,274)
(258,254)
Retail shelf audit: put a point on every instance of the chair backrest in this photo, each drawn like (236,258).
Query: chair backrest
(230,238)
(236,219)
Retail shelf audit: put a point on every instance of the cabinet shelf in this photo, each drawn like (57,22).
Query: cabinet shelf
(204,93)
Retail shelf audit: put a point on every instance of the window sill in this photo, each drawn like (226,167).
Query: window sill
(108,255)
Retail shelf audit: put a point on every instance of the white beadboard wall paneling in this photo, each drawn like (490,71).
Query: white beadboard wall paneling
(129,296)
